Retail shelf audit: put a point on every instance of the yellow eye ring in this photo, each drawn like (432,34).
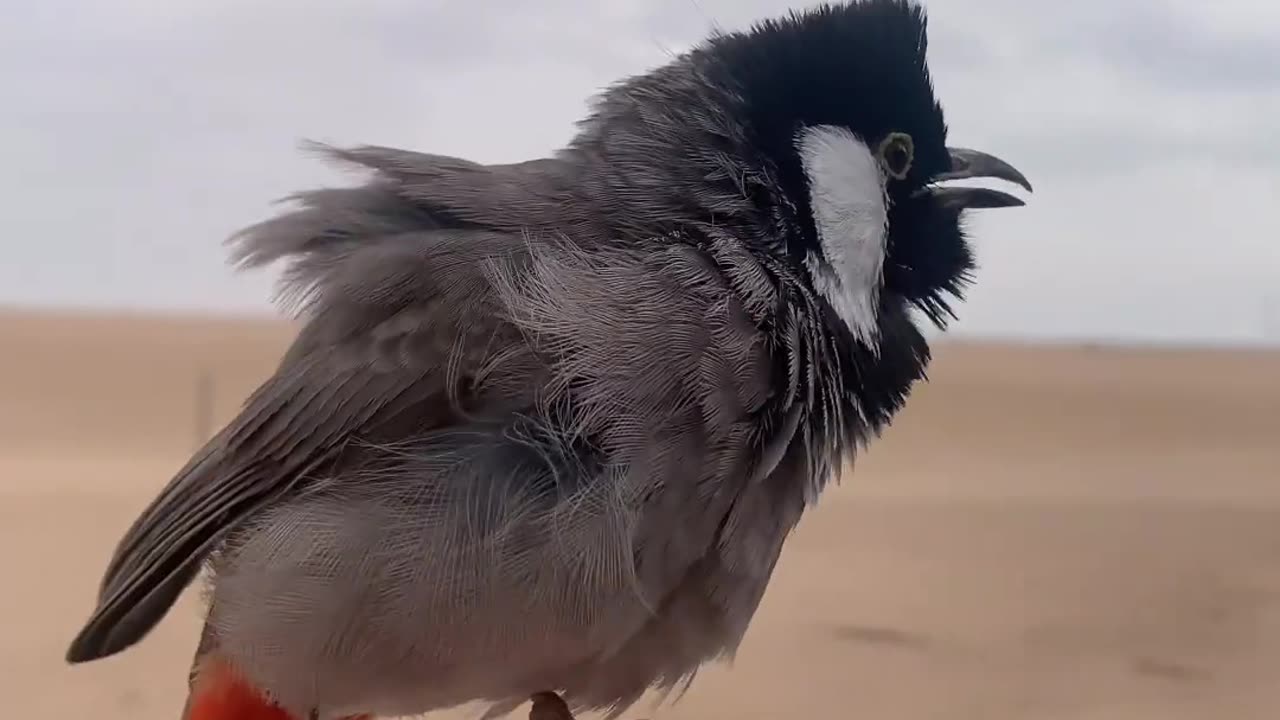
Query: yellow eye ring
(896,153)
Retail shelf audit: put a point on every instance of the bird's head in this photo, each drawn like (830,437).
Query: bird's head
(818,137)
(838,106)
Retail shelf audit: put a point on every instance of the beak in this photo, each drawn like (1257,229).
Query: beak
(966,164)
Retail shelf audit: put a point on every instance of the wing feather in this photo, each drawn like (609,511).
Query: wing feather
(371,381)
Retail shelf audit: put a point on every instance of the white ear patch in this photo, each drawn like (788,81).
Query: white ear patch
(850,211)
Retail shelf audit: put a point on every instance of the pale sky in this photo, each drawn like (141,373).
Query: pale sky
(135,135)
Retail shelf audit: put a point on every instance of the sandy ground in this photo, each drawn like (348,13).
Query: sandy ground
(1044,534)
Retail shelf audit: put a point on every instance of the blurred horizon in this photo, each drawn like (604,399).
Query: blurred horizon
(270,315)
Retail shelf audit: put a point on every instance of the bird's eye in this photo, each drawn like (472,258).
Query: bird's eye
(897,151)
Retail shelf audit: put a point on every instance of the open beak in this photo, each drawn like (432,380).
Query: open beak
(966,164)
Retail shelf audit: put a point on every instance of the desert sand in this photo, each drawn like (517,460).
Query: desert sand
(1046,533)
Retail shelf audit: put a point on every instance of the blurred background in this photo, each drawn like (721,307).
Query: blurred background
(1079,517)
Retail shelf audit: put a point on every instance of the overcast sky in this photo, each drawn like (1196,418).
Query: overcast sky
(136,134)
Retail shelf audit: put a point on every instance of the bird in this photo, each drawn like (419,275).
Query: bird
(546,426)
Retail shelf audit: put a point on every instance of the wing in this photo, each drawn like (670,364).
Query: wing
(402,337)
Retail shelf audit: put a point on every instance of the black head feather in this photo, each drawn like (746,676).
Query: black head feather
(709,140)
(862,66)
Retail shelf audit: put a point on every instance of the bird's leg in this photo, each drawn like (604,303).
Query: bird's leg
(549,706)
